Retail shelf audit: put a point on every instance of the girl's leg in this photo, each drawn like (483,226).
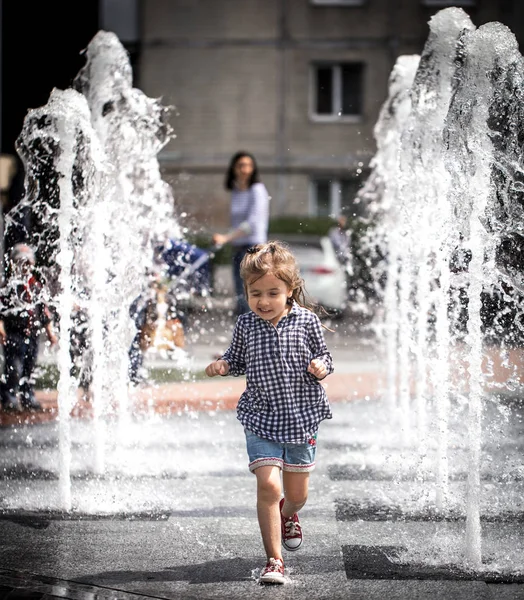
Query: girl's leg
(268,498)
(295,492)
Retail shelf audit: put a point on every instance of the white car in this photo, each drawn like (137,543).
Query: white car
(325,278)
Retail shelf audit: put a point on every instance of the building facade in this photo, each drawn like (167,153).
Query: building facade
(299,83)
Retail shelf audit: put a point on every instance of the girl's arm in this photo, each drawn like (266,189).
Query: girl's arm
(235,355)
(319,349)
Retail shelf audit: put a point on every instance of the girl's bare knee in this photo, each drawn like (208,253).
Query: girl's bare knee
(268,492)
(268,484)
(295,503)
(296,487)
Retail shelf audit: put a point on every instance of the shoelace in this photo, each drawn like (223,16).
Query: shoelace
(273,565)
(292,529)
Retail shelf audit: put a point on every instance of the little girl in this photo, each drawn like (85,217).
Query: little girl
(280,348)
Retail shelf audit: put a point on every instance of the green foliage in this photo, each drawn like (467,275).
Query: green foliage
(199,239)
(157,375)
(288,224)
(223,256)
(300,224)
(220,257)
(47,376)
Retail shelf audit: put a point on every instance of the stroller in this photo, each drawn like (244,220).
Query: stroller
(160,314)
(186,266)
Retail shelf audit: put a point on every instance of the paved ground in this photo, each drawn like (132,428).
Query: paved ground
(174,516)
(171,512)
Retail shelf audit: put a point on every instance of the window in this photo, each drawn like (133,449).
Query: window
(338,2)
(337,91)
(330,196)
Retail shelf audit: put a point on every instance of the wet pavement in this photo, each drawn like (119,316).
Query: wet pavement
(174,517)
(173,513)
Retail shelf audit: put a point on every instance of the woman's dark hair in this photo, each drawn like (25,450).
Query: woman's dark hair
(230,175)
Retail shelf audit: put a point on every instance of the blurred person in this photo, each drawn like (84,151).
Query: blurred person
(340,237)
(23,316)
(180,271)
(157,325)
(81,350)
(249,216)
(280,348)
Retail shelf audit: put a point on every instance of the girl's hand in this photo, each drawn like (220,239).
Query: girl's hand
(218,367)
(317,368)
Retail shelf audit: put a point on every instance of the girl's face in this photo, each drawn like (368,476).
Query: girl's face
(267,297)
(244,168)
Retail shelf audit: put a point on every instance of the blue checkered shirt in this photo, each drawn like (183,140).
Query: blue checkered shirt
(282,401)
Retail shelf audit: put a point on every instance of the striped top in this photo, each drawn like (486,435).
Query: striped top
(282,401)
(250,207)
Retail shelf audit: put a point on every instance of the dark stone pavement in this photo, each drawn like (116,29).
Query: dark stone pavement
(174,517)
(173,514)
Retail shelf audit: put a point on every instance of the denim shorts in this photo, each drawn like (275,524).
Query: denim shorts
(298,458)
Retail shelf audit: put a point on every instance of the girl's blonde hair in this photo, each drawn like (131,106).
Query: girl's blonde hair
(276,258)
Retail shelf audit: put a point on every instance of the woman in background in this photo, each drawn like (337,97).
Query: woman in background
(249,216)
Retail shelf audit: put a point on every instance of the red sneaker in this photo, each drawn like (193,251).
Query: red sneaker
(274,571)
(291,530)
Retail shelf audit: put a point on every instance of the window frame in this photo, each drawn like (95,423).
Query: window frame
(334,196)
(447,3)
(336,206)
(336,116)
(349,3)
